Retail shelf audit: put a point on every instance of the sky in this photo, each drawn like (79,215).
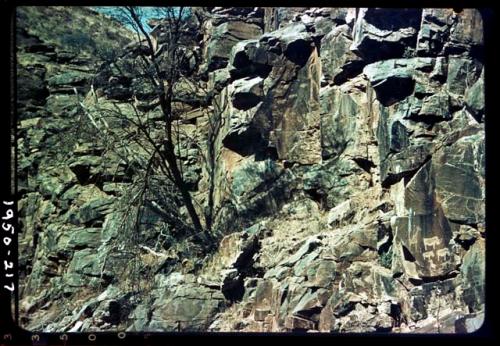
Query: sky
(115,12)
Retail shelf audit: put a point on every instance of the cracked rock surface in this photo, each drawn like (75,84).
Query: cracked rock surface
(350,177)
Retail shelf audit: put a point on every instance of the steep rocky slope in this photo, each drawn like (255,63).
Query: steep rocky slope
(349,178)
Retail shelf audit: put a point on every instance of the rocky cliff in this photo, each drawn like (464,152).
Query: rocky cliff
(348,177)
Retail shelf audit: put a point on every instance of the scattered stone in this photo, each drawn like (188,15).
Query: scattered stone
(341,213)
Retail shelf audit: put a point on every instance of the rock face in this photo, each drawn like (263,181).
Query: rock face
(379,34)
(348,177)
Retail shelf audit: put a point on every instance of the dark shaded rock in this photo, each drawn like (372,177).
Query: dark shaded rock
(268,201)
(232,284)
(118,93)
(404,163)
(65,56)
(247,93)
(331,183)
(420,298)
(293,41)
(298,51)
(236,251)
(293,131)
(191,175)
(224,37)
(241,129)
(417,307)
(407,131)
(467,35)
(31,43)
(474,99)
(391,82)
(31,85)
(399,137)
(70,78)
(254,177)
(383,33)
(469,323)
(434,31)
(252,56)
(141,89)
(90,211)
(83,165)
(249,58)
(473,274)
(41,48)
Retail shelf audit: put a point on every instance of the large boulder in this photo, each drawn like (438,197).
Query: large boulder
(383,33)
(462,74)
(394,80)
(348,119)
(292,44)
(296,131)
(467,35)
(289,116)
(253,176)
(224,37)
(473,274)
(68,81)
(335,180)
(406,135)
(247,92)
(459,179)
(182,305)
(339,63)
(31,83)
(474,98)
(422,231)
(434,31)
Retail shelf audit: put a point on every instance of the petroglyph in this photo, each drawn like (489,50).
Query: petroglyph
(431,243)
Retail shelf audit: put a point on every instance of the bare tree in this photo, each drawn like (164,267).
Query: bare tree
(163,81)
(164,62)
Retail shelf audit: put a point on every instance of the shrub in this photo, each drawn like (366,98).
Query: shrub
(77,41)
(385,258)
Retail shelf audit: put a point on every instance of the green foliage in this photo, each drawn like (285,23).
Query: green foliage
(385,259)
(76,28)
(81,41)
(77,40)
